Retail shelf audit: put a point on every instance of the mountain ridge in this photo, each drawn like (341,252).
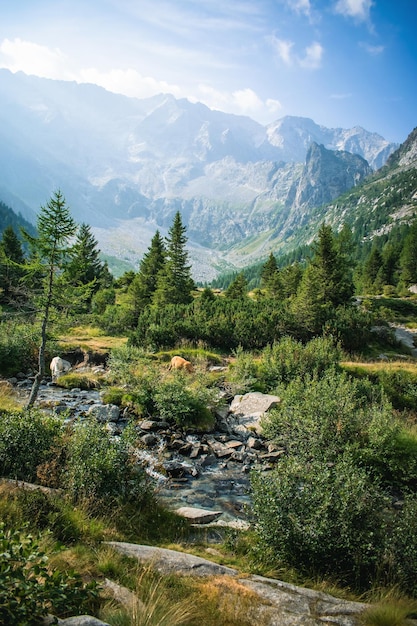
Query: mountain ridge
(120,160)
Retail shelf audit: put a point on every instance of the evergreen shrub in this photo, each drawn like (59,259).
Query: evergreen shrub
(19,344)
(100,469)
(322,519)
(27,440)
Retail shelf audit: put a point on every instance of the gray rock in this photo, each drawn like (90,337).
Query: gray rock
(104,412)
(152,425)
(254,443)
(148,439)
(198,516)
(289,605)
(168,561)
(81,620)
(249,409)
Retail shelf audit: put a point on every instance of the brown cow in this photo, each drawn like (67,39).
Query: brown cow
(178,363)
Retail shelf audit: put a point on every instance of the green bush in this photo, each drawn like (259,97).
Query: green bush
(29,590)
(401,388)
(288,359)
(322,519)
(139,400)
(27,440)
(100,469)
(321,417)
(350,326)
(403,546)
(19,344)
(182,405)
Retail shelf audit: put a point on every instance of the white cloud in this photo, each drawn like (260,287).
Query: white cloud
(283,48)
(358,9)
(33,58)
(240,102)
(128,82)
(372,50)
(300,6)
(313,56)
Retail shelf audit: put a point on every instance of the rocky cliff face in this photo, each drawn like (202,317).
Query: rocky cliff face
(326,175)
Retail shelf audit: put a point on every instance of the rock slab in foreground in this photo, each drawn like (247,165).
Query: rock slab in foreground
(289,605)
(168,561)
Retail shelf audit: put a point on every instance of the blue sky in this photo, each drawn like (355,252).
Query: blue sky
(340,62)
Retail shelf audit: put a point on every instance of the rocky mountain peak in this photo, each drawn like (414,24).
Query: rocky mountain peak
(326,175)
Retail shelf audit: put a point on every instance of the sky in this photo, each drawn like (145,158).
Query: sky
(342,63)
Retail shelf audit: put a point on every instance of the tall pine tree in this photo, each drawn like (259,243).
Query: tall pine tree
(333,267)
(51,248)
(144,284)
(11,261)
(409,256)
(84,266)
(271,279)
(175,284)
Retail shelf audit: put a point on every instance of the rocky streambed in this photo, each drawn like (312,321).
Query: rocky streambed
(209,471)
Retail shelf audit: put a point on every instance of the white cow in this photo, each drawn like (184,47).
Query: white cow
(58,367)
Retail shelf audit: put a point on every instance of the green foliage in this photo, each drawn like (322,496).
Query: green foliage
(74,380)
(174,281)
(18,347)
(100,469)
(50,249)
(243,373)
(238,288)
(288,359)
(29,590)
(144,283)
(325,520)
(138,400)
(26,441)
(351,327)
(101,299)
(180,404)
(47,512)
(403,546)
(321,417)
(115,319)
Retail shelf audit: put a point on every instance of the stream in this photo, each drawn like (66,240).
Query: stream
(207,482)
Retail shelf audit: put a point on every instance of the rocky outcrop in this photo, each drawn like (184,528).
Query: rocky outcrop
(278,603)
(327,174)
(168,561)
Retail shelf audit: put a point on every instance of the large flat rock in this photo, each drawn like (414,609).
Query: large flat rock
(168,561)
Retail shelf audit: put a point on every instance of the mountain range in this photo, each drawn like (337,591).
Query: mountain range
(125,166)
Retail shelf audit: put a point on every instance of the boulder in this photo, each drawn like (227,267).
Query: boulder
(104,412)
(198,516)
(249,409)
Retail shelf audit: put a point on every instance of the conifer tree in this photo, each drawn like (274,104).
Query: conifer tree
(372,270)
(51,247)
(175,284)
(409,256)
(144,284)
(333,267)
(84,266)
(238,288)
(270,278)
(11,260)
